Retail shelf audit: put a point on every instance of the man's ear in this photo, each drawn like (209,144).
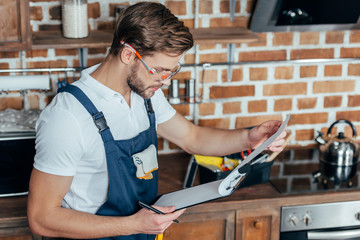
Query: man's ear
(127,55)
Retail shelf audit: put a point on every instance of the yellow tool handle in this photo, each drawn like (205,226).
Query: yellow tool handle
(159,236)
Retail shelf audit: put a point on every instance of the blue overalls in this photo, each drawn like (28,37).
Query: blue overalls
(125,189)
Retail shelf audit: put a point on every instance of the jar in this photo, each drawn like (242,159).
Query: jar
(174,96)
(75,18)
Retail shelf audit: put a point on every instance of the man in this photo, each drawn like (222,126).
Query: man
(96,143)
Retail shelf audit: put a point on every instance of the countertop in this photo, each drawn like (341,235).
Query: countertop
(172,169)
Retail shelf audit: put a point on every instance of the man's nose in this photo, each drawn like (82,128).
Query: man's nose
(166,82)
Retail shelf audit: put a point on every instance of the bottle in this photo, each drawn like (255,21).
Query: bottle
(75,18)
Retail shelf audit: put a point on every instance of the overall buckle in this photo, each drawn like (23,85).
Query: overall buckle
(100,121)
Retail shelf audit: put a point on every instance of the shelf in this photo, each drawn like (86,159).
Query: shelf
(97,39)
(54,39)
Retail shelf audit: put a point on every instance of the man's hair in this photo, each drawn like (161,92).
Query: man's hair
(150,27)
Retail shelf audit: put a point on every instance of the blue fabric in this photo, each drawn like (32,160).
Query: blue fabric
(125,189)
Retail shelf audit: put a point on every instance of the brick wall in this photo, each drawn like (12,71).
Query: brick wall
(316,94)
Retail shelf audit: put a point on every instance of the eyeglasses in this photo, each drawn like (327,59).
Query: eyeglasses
(164,75)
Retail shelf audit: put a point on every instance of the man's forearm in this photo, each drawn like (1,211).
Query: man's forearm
(67,223)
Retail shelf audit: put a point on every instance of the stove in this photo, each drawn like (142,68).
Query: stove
(297,171)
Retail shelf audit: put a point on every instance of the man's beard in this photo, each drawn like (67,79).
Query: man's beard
(136,84)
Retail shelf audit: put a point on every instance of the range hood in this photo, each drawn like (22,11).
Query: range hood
(305,15)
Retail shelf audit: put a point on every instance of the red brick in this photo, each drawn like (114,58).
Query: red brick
(36,13)
(285,89)
(93,10)
(261,43)
(284,72)
(332,101)
(4,66)
(304,135)
(308,71)
(350,52)
(231,107)
(312,53)
(309,38)
(258,74)
(210,76)
(257,106)
(176,7)
(47,64)
(190,23)
(11,102)
(90,62)
(242,122)
(283,39)
(237,75)
(33,101)
(213,57)
(308,118)
(334,86)
(205,7)
(354,101)
(173,146)
(355,36)
(36,53)
(9,55)
(223,123)
(189,58)
(226,22)
(55,13)
(283,104)
(332,70)
(160,144)
(49,27)
(206,109)
(97,50)
(306,103)
(225,6)
(231,91)
(354,70)
(183,109)
(207,46)
(276,55)
(349,115)
(113,5)
(334,37)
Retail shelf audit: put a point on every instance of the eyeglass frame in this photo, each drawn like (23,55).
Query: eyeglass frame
(151,71)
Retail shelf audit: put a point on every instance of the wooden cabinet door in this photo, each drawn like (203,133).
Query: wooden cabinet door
(260,224)
(14,25)
(203,226)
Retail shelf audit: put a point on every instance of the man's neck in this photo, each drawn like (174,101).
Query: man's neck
(112,74)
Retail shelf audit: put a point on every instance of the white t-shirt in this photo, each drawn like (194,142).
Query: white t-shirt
(69,144)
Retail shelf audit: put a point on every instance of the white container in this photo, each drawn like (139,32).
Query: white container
(75,18)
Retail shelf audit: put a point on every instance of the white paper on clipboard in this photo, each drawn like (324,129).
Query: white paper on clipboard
(217,189)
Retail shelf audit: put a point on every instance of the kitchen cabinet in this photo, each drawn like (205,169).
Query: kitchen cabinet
(14,25)
(257,224)
(203,226)
(251,224)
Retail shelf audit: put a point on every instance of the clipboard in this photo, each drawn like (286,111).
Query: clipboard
(217,189)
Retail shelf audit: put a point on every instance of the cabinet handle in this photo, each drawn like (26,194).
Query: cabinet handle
(257,224)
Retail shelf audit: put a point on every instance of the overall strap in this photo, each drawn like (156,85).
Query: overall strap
(98,117)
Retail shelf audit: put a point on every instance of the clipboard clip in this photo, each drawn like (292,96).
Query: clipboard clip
(235,178)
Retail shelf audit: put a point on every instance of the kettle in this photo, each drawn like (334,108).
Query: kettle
(339,155)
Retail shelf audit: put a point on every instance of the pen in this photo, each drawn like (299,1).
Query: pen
(143,205)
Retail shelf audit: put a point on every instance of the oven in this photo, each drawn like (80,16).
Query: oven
(340,220)
(17,150)
(294,172)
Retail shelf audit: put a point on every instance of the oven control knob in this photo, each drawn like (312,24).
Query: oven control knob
(307,220)
(293,220)
(357,216)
